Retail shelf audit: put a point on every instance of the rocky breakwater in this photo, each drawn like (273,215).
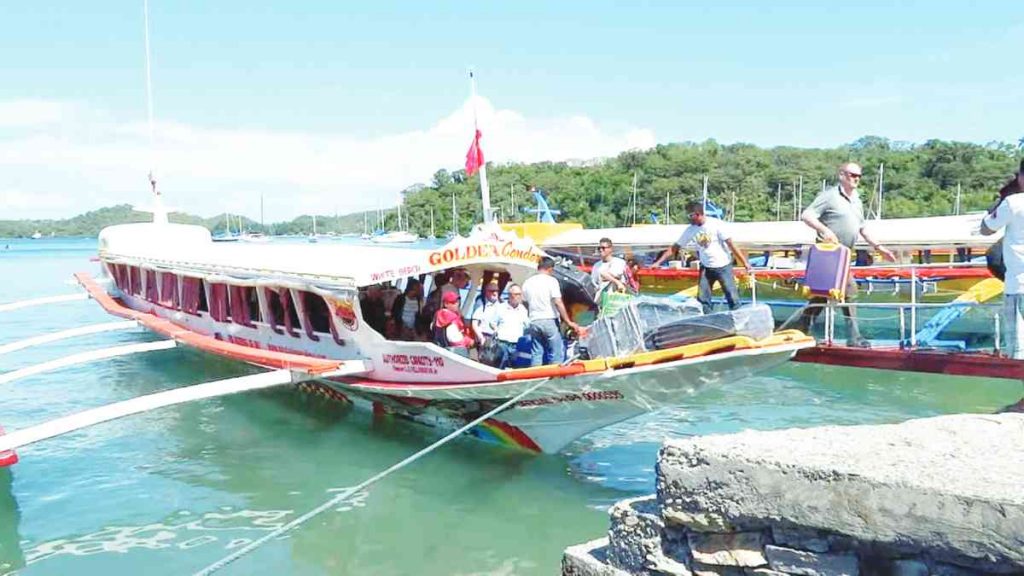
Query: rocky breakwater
(936,496)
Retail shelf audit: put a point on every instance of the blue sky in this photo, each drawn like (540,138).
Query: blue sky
(337,105)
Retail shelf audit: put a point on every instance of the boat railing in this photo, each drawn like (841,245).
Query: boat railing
(956,325)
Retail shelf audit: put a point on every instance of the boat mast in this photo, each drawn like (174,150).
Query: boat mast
(778,202)
(956,205)
(485,190)
(704,194)
(432,222)
(262,226)
(455,219)
(634,197)
(159,212)
(668,202)
(881,176)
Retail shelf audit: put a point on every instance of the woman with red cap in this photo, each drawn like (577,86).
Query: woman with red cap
(449,327)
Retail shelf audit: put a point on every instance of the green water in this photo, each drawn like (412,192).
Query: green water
(172,491)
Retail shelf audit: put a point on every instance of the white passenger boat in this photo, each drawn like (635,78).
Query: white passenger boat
(281,305)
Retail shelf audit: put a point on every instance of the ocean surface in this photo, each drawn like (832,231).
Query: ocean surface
(172,491)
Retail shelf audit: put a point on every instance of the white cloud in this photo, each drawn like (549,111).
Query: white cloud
(96,162)
(21,113)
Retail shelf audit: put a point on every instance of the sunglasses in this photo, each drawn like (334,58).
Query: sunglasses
(605,247)
(853,175)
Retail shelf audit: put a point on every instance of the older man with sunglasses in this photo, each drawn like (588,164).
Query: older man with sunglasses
(837,215)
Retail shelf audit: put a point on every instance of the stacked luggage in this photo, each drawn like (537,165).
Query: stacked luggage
(648,323)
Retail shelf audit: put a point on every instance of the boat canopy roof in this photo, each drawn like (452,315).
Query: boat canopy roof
(190,249)
(930,232)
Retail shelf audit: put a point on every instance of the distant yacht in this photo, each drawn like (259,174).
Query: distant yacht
(398,237)
(37,235)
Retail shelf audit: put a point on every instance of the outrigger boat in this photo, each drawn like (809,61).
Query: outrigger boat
(298,306)
(946,243)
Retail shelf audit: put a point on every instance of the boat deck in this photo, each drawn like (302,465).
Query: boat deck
(981,364)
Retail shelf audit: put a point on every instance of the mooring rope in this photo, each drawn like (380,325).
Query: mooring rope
(223,562)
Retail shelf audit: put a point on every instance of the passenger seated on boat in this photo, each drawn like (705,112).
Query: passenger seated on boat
(511,322)
(483,315)
(432,303)
(372,306)
(405,321)
(449,328)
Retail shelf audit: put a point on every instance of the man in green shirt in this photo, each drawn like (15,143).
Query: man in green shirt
(837,215)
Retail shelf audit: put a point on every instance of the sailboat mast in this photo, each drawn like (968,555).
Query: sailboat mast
(634,197)
(881,177)
(455,219)
(432,222)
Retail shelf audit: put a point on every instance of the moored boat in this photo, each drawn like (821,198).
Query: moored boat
(259,302)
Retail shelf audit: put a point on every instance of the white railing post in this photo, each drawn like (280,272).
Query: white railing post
(913,306)
(903,326)
(997,334)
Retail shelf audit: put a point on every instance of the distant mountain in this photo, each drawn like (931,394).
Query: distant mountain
(90,223)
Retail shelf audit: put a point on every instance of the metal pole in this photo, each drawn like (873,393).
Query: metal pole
(778,202)
(913,306)
(903,327)
(956,205)
(881,177)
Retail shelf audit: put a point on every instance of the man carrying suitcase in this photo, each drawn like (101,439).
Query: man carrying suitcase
(837,215)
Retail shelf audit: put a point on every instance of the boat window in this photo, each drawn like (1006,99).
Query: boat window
(219,302)
(318,318)
(134,281)
(241,311)
(152,291)
(203,307)
(120,276)
(191,294)
(276,319)
(169,290)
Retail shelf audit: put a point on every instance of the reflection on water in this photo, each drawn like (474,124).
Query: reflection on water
(174,490)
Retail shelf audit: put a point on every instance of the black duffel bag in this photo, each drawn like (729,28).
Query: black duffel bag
(994,260)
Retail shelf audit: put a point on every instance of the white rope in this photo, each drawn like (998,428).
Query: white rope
(85,357)
(40,301)
(71,333)
(223,562)
(94,416)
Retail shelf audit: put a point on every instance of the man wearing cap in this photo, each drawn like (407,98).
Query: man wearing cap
(1008,213)
(543,297)
(837,215)
(449,328)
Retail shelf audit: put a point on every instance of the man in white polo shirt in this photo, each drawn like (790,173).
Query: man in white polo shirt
(543,297)
(1009,213)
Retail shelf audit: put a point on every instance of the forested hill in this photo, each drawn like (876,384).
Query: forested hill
(919,180)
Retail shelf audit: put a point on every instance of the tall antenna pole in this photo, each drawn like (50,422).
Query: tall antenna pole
(881,177)
(485,190)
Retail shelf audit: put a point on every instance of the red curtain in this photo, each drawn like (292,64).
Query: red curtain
(152,294)
(134,281)
(190,295)
(219,302)
(240,305)
(169,290)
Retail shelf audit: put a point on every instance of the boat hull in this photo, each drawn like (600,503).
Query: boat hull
(562,409)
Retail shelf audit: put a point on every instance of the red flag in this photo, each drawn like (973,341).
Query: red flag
(475,156)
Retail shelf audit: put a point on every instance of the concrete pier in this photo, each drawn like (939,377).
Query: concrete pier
(932,496)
